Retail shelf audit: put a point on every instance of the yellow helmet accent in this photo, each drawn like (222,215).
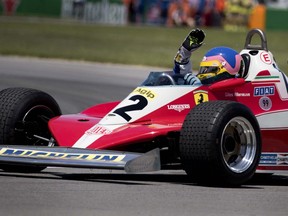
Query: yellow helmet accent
(210,69)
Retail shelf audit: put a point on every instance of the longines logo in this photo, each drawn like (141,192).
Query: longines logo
(178,107)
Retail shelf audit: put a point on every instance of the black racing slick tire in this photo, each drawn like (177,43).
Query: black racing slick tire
(24,120)
(220,143)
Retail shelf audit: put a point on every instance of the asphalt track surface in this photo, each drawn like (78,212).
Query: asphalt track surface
(57,191)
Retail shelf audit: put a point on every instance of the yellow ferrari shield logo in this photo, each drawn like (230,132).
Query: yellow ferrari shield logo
(200,97)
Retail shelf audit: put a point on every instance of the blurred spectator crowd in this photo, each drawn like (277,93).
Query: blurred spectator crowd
(190,12)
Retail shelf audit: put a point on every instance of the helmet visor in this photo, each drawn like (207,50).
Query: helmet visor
(208,69)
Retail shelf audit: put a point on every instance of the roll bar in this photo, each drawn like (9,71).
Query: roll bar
(263,38)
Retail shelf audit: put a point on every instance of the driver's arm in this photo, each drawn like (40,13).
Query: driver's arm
(192,42)
(191,79)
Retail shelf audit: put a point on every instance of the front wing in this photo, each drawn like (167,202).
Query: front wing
(79,158)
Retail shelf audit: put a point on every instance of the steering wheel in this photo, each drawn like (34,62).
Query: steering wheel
(165,79)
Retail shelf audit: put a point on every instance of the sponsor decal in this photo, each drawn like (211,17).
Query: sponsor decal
(265,57)
(237,94)
(265,90)
(200,96)
(274,159)
(11,152)
(98,130)
(265,103)
(178,107)
(145,92)
(268,159)
(100,11)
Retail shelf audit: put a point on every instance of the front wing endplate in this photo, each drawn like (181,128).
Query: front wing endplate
(79,158)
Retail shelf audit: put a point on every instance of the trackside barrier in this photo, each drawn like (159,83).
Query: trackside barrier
(98,11)
(272,16)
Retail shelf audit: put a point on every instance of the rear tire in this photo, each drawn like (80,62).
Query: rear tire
(24,120)
(220,143)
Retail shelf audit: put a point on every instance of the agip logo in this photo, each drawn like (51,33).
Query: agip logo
(9,6)
(145,92)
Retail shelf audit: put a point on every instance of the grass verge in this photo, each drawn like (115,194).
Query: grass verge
(137,45)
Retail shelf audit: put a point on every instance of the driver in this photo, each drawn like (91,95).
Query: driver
(219,63)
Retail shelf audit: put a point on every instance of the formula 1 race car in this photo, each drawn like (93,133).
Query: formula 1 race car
(218,133)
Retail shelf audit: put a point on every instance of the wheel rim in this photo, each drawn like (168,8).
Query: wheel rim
(33,127)
(238,144)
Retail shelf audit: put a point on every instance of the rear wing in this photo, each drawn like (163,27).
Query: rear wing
(79,158)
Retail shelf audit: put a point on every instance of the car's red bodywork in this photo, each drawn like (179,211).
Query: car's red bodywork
(263,90)
(153,117)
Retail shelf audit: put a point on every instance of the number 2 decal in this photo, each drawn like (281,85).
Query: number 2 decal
(141,104)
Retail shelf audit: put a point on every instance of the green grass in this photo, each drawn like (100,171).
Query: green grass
(137,45)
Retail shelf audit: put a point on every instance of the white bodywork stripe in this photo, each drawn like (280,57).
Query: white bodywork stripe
(161,96)
(272,120)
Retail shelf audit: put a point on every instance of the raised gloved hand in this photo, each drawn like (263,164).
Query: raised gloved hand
(191,79)
(194,40)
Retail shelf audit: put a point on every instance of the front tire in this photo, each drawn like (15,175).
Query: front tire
(24,120)
(220,143)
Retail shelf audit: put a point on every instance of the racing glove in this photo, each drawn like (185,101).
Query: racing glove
(191,79)
(192,42)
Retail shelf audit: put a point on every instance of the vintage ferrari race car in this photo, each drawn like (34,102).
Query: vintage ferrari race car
(218,133)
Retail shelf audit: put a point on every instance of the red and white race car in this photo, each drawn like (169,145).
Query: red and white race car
(219,133)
